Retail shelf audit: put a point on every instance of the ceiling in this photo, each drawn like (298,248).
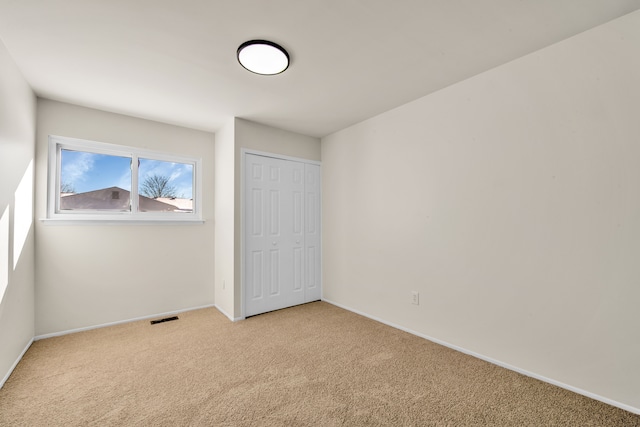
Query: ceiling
(174,61)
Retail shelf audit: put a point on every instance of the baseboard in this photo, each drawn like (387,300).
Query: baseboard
(233,319)
(494,361)
(119,322)
(6,377)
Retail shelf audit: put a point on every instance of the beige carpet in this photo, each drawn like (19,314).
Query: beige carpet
(309,365)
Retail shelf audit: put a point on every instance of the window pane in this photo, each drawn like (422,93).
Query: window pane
(97,182)
(93,181)
(165,186)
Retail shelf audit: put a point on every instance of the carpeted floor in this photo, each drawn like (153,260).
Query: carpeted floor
(314,364)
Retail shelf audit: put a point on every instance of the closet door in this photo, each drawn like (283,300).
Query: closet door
(274,234)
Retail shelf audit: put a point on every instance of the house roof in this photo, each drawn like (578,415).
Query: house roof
(112,198)
(185,205)
(175,61)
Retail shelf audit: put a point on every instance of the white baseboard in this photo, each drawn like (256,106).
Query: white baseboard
(233,319)
(119,322)
(6,377)
(494,361)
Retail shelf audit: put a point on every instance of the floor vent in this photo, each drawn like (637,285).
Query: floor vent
(166,319)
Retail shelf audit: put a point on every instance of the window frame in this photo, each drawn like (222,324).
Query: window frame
(59,143)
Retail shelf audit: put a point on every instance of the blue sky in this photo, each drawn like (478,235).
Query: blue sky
(89,171)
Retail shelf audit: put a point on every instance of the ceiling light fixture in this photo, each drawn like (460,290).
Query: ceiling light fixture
(263,57)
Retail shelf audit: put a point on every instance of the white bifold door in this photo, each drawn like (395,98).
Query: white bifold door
(282,233)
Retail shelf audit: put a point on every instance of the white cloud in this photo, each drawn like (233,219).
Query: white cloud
(76,168)
(177,172)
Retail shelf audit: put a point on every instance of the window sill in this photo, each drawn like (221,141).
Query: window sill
(144,221)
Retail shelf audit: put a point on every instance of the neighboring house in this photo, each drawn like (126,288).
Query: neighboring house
(183,205)
(116,198)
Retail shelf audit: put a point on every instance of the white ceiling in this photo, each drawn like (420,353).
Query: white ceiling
(174,61)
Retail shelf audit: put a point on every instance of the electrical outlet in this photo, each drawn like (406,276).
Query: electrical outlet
(415,298)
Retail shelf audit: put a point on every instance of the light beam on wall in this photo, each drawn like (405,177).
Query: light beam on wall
(23,213)
(4,253)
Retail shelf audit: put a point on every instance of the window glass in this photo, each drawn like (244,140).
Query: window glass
(96,181)
(92,181)
(165,186)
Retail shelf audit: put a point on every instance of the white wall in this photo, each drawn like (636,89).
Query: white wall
(510,201)
(224,219)
(17,148)
(90,275)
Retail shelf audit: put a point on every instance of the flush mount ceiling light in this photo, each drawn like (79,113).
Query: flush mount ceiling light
(263,57)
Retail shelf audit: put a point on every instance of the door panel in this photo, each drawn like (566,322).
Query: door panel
(297,269)
(256,229)
(274,282)
(257,274)
(274,204)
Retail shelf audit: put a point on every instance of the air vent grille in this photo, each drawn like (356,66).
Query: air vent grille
(166,319)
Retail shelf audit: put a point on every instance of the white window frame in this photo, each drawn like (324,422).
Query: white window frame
(58,143)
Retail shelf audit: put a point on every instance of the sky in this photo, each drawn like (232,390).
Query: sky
(89,171)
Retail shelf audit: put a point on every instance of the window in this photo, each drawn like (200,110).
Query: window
(97,181)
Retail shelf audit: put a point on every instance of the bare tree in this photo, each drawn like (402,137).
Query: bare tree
(155,186)
(67,187)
